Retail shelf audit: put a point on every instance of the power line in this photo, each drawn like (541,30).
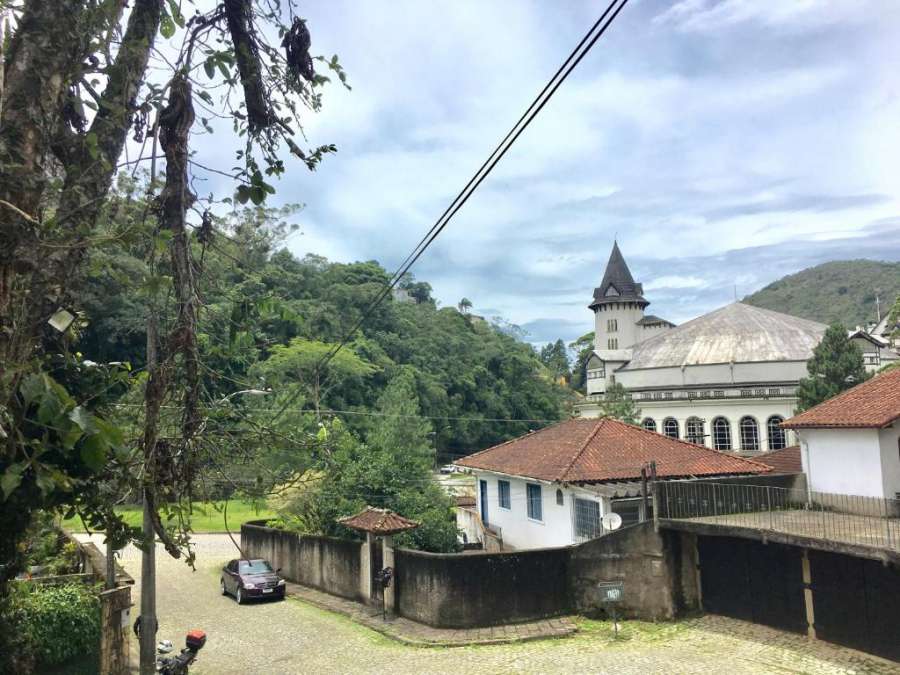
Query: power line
(580,51)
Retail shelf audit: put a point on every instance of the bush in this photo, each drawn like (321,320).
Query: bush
(52,624)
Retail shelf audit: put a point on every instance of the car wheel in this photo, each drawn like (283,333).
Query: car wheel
(222,586)
(239,596)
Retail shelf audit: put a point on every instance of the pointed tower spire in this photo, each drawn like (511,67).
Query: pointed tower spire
(618,285)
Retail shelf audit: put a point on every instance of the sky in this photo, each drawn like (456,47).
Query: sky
(724,143)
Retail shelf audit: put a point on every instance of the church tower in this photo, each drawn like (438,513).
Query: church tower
(618,307)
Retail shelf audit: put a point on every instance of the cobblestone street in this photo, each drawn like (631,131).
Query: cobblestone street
(294,637)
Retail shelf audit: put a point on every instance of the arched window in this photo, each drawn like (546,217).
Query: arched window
(749,434)
(649,424)
(721,430)
(559,497)
(777,436)
(693,430)
(670,427)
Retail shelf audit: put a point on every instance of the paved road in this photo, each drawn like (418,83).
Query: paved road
(292,637)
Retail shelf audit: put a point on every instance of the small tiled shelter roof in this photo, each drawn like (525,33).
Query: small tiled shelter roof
(786,460)
(874,404)
(380,522)
(600,450)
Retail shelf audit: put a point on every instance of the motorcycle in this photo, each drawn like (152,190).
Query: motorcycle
(178,665)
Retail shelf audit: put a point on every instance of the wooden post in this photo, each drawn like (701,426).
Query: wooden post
(115,610)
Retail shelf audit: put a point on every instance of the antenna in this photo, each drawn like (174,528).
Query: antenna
(877,306)
(735,292)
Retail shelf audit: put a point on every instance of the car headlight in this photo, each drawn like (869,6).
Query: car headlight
(250,586)
(281,582)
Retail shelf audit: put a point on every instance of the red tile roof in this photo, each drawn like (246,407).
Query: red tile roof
(873,404)
(786,460)
(378,521)
(596,450)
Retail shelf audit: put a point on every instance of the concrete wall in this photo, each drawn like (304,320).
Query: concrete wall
(657,569)
(556,528)
(481,589)
(843,461)
(889,440)
(326,563)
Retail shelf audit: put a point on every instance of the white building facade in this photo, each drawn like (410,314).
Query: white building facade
(726,380)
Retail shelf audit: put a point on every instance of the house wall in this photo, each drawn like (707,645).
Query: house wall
(517,530)
(481,589)
(326,563)
(843,461)
(889,440)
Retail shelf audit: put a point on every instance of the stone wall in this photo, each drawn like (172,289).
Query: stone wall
(481,589)
(657,569)
(326,563)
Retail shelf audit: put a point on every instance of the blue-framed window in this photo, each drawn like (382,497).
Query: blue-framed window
(533,498)
(503,493)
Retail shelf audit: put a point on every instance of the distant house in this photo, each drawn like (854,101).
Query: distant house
(877,351)
(850,444)
(552,487)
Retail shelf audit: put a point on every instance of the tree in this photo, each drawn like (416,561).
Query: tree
(583,348)
(835,366)
(556,358)
(617,403)
(464,306)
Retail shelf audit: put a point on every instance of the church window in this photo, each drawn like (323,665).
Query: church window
(670,427)
(613,343)
(612,325)
(777,437)
(693,430)
(649,424)
(721,434)
(749,434)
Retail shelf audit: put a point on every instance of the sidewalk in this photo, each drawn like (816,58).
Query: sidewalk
(419,635)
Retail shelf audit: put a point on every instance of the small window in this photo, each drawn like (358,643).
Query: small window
(559,497)
(721,434)
(612,343)
(533,494)
(649,424)
(670,427)
(668,394)
(749,434)
(503,493)
(719,393)
(746,393)
(693,430)
(774,392)
(777,438)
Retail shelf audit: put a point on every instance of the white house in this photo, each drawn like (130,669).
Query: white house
(877,351)
(727,379)
(552,487)
(850,444)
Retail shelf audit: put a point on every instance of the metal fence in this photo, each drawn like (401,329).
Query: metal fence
(852,519)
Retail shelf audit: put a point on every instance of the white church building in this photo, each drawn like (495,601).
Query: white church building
(727,379)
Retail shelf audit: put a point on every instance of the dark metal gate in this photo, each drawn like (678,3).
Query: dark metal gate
(755,582)
(856,602)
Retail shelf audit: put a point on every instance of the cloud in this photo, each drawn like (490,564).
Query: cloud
(723,142)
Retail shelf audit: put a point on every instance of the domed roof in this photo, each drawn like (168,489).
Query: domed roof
(736,333)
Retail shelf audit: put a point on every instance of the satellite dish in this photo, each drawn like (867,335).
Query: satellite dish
(611,521)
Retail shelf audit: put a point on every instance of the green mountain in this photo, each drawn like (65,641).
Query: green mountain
(843,290)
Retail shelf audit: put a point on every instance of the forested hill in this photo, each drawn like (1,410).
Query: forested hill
(268,316)
(835,291)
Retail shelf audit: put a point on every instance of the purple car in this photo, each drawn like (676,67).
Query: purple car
(246,579)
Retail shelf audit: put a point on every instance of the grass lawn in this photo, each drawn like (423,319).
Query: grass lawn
(204,519)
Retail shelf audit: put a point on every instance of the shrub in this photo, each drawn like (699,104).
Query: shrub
(54,624)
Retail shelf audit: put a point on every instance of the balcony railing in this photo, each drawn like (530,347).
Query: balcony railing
(848,519)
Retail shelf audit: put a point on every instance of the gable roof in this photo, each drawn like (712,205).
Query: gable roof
(873,404)
(618,285)
(736,333)
(786,460)
(582,450)
(378,521)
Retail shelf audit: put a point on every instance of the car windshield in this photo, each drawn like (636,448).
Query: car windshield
(254,567)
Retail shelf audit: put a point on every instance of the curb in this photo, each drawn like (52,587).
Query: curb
(385,630)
